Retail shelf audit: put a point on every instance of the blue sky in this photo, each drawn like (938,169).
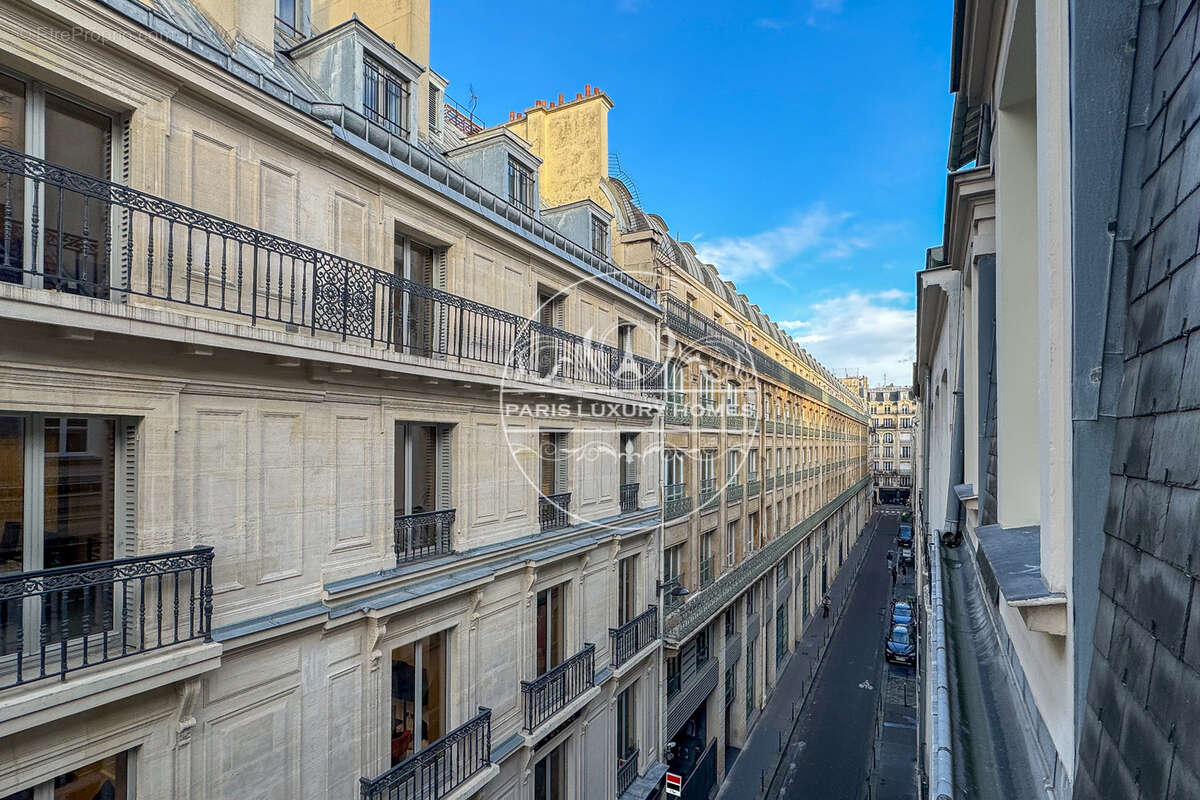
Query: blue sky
(800,146)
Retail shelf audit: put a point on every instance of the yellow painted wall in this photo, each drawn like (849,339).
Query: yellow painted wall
(572,141)
(405,23)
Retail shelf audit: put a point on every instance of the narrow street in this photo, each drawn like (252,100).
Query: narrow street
(829,754)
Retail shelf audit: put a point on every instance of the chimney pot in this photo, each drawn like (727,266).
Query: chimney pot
(541,103)
(579,95)
(587,90)
(512,115)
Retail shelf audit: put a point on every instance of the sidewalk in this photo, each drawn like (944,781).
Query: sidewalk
(756,764)
(893,773)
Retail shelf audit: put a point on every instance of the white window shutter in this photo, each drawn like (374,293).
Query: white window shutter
(444,476)
(560,463)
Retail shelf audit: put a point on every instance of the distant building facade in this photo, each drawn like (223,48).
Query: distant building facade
(894,420)
(764,461)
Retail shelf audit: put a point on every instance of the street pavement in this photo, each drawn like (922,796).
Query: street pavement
(831,750)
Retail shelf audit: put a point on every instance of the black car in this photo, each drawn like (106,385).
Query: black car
(901,647)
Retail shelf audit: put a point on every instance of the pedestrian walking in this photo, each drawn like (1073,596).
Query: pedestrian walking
(893,577)
(825,604)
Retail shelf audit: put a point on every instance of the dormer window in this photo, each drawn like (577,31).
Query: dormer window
(435,110)
(520,185)
(385,98)
(288,13)
(599,237)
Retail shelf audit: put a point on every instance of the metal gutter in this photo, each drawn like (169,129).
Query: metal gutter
(941,772)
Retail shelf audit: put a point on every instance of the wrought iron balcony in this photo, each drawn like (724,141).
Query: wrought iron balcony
(629,497)
(735,422)
(120,244)
(627,771)
(708,493)
(61,620)
(706,571)
(791,478)
(439,768)
(424,534)
(753,488)
(554,511)
(769,426)
(769,480)
(733,492)
(709,418)
(676,501)
(629,639)
(676,411)
(552,691)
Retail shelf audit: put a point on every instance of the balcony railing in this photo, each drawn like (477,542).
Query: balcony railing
(676,501)
(629,639)
(61,620)
(629,497)
(552,691)
(710,419)
(676,411)
(423,534)
(735,422)
(627,771)
(753,488)
(439,768)
(769,480)
(554,511)
(706,571)
(733,492)
(112,242)
(769,426)
(708,493)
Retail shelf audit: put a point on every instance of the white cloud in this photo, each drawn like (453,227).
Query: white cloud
(771,23)
(871,333)
(817,232)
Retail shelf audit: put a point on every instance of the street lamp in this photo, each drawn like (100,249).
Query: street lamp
(672,586)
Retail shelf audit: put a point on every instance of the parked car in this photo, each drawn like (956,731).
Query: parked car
(902,613)
(906,556)
(905,536)
(901,647)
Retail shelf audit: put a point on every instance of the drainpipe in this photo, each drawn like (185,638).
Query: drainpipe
(953,504)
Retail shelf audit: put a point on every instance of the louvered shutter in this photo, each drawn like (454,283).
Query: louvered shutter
(444,499)
(127,448)
(546,458)
(560,463)
(442,315)
(429,468)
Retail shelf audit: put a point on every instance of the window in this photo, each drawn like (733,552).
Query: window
(751,597)
(285,12)
(752,533)
(629,458)
(421,484)
(418,323)
(673,477)
(731,543)
(550,775)
(69,234)
(599,237)
(672,557)
(887,438)
(691,300)
(730,622)
(887,452)
(752,466)
(702,649)
(906,452)
(781,571)
(106,778)
(552,453)
(887,466)
(63,503)
(520,185)
(731,399)
(750,700)
(627,579)
(550,631)
(707,467)
(707,398)
(385,98)
(732,463)
(627,723)
(672,676)
(419,695)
